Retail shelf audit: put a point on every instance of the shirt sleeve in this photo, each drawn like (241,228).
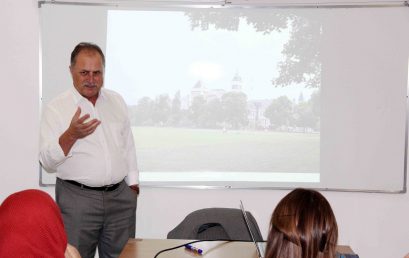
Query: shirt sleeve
(132,177)
(51,154)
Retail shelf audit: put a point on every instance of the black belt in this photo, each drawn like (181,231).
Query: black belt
(105,188)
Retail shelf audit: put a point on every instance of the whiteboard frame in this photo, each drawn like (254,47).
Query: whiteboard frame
(227,4)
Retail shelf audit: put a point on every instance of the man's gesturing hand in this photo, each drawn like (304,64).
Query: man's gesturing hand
(78,129)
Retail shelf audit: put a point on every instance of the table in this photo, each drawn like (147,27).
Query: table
(147,248)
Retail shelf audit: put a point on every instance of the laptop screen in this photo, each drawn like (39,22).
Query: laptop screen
(259,248)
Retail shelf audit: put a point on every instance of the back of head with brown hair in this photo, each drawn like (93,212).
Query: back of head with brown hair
(303,225)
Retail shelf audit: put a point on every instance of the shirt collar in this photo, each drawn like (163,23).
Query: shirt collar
(78,97)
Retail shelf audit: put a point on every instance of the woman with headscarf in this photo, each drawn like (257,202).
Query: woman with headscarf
(31,226)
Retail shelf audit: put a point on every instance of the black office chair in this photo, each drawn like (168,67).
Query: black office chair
(216,224)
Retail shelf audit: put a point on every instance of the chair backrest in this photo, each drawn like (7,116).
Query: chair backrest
(216,223)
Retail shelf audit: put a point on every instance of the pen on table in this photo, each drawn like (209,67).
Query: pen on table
(194,249)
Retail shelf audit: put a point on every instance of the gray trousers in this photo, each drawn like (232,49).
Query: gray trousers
(96,218)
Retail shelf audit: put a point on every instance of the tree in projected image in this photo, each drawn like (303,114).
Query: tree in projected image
(197,111)
(228,112)
(306,114)
(214,114)
(235,109)
(288,116)
(302,62)
(176,110)
(141,114)
(161,110)
(279,112)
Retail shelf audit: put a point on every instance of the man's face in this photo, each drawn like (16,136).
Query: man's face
(88,74)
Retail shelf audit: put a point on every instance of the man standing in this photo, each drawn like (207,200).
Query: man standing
(86,138)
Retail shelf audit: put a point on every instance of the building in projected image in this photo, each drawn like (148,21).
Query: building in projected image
(278,114)
(199,89)
(255,108)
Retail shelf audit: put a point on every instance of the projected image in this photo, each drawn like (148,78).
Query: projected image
(234,94)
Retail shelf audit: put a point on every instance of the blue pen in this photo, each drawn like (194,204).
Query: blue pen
(194,249)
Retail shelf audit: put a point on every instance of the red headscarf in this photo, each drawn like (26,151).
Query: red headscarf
(31,226)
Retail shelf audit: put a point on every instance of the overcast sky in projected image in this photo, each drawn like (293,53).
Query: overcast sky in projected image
(151,53)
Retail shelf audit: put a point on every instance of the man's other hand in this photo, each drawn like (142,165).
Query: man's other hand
(135,188)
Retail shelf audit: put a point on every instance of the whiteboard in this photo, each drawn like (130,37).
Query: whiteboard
(363,55)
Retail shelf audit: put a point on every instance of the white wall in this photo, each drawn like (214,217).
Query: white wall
(20,90)
(374,225)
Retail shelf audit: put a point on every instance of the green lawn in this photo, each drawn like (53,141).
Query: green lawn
(180,149)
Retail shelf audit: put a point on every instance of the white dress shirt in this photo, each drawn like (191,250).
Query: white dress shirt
(102,158)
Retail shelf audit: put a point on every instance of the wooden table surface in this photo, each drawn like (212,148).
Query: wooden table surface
(148,248)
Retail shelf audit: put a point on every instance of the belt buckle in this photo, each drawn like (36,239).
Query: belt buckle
(108,187)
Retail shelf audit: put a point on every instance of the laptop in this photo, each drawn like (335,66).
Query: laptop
(260,246)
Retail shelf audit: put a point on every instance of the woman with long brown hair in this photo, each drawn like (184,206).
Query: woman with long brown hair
(303,225)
